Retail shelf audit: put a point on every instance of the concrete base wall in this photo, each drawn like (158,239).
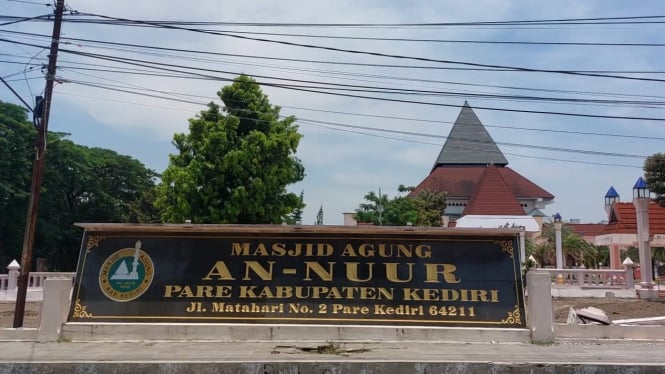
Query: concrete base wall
(20,334)
(374,367)
(574,291)
(77,331)
(581,332)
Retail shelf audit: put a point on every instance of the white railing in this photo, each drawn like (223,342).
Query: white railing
(36,279)
(9,282)
(592,278)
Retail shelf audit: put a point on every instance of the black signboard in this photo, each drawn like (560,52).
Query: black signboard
(298,275)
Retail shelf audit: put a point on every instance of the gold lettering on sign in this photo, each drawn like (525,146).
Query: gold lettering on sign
(220,270)
(258,269)
(392,273)
(432,272)
(319,270)
(448,294)
(352,271)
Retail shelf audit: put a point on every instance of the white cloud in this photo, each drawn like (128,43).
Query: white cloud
(341,165)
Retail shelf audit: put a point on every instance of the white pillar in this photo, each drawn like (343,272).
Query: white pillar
(540,318)
(12,278)
(630,273)
(559,249)
(522,246)
(646,290)
(55,307)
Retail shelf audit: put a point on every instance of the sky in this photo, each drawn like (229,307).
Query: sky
(342,163)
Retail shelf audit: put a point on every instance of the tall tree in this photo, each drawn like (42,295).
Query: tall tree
(83,184)
(80,184)
(575,249)
(296,215)
(425,209)
(654,168)
(17,140)
(234,164)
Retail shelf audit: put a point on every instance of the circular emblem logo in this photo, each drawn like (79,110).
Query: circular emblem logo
(126,274)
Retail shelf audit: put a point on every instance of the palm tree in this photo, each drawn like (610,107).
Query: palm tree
(576,250)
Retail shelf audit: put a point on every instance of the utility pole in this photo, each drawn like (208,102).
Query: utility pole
(41,123)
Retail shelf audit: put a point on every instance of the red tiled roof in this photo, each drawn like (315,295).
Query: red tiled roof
(623,219)
(461,181)
(587,229)
(493,196)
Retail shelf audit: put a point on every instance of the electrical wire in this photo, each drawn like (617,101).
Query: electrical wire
(479,150)
(163,66)
(387,55)
(23,19)
(401,132)
(179,94)
(346,63)
(449,41)
(577,21)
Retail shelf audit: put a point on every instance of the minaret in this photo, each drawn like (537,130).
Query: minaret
(611,197)
(135,265)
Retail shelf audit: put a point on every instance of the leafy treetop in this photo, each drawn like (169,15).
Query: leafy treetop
(234,164)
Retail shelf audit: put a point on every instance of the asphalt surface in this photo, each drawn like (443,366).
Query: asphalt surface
(590,352)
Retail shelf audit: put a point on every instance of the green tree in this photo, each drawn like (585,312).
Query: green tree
(80,184)
(17,139)
(83,184)
(234,164)
(576,250)
(296,215)
(425,209)
(430,206)
(654,168)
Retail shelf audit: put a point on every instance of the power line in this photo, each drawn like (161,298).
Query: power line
(449,41)
(493,126)
(291,87)
(418,119)
(30,2)
(442,41)
(304,122)
(469,140)
(479,150)
(471,94)
(397,117)
(387,55)
(557,149)
(568,21)
(346,63)
(23,19)
(16,94)
(392,90)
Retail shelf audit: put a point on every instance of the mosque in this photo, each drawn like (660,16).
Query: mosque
(482,191)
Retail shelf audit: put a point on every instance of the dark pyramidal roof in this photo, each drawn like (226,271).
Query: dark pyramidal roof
(469,143)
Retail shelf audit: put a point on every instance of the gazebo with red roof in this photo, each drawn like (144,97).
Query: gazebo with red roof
(621,230)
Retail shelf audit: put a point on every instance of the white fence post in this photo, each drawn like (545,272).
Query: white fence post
(540,318)
(57,294)
(12,281)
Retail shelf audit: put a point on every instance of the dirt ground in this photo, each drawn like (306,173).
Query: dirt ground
(30,317)
(614,308)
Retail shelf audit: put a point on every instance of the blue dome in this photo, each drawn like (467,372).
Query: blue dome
(641,183)
(611,192)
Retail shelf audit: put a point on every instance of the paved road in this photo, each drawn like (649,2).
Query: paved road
(628,352)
